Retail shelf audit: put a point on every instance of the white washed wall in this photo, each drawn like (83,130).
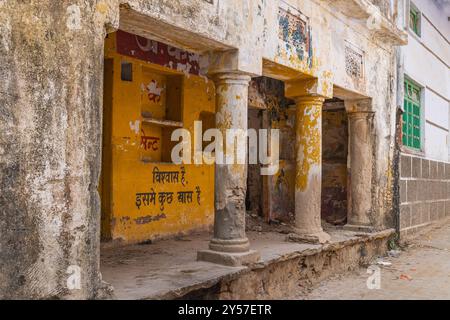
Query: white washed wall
(426,62)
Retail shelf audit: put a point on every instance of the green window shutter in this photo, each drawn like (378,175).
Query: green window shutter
(405,125)
(414,21)
(411,129)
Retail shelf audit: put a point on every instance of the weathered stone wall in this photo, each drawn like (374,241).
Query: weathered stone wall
(424,192)
(51,62)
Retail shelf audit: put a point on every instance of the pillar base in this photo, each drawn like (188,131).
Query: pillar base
(227,258)
(359,228)
(313,238)
(231,246)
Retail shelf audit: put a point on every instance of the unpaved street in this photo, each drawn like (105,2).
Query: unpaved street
(422,271)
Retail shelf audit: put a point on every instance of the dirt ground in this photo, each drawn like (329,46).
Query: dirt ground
(421,270)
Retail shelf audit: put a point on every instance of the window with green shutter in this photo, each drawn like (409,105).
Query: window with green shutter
(414,19)
(411,131)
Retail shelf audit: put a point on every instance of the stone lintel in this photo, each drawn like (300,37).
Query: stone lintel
(310,87)
(230,61)
(137,19)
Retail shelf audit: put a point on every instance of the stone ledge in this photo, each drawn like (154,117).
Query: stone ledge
(169,270)
(294,271)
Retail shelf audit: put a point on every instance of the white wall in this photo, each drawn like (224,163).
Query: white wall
(427,61)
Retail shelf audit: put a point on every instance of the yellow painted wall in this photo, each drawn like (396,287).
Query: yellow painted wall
(128,168)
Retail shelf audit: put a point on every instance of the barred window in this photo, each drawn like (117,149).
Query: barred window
(411,131)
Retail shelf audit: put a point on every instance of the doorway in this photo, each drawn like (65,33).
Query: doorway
(334,162)
(272,197)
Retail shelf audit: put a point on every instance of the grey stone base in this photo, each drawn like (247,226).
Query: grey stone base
(315,238)
(230,245)
(229,259)
(357,228)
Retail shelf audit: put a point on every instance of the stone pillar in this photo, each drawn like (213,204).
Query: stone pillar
(308,181)
(51,61)
(230,245)
(361,159)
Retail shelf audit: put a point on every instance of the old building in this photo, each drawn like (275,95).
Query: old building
(93,91)
(424,97)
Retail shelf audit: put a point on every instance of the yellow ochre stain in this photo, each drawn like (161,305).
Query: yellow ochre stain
(308,132)
(102,7)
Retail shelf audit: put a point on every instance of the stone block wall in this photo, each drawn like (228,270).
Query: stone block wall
(424,192)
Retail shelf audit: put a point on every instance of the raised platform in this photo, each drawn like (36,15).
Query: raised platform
(169,270)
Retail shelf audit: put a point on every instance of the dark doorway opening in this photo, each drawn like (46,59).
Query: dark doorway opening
(334,162)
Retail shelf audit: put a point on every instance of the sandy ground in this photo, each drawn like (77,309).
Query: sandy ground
(421,271)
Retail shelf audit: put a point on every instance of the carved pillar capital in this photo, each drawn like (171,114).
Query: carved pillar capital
(309,100)
(234,78)
(298,89)
(359,106)
(361,114)
(230,61)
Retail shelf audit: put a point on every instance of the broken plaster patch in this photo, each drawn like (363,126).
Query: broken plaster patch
(135,126)
(73,21)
